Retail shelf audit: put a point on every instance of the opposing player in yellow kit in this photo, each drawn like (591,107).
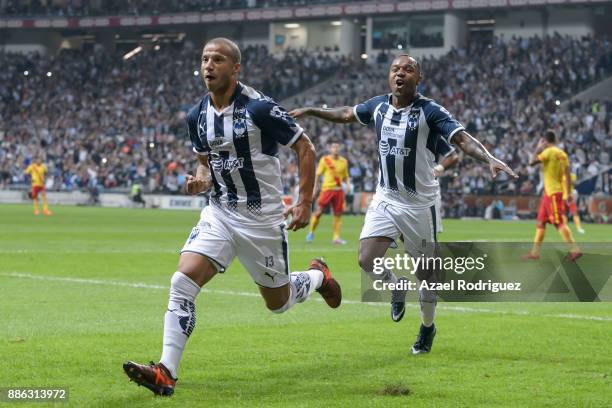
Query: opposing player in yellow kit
(572,207)
(334,169)
(552,206)
(37,171)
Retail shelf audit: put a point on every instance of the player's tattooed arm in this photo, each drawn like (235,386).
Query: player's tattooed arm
(343,114)
(202,181)
(300,212)
(472,147)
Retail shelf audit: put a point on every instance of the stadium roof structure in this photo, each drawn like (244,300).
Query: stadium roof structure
(281,13)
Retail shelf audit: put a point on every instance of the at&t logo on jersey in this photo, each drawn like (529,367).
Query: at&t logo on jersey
(386,150)
(219,164)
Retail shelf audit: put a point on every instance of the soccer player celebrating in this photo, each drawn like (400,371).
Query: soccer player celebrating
(235,132)
(334,169)
(408,127)
(552,205)
(37,172)
(571,203)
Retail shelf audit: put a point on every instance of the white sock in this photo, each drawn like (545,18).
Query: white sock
(427,299)
(301,285)
(179,320)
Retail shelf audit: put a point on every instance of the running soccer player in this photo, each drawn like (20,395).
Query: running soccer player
(37,172)
(552,205)
(235,132)
(571,203)
(408,127)
(334,169)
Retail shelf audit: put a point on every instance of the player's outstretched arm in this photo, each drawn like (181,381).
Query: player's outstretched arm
(202,181)
(300,212)
(342,114)
(475,149)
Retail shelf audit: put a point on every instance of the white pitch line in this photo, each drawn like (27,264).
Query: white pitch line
(139,285)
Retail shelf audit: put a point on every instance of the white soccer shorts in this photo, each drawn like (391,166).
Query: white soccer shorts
(418,226)
(263,251)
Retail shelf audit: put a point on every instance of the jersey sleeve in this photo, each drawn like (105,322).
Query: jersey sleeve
(544,155)
(364,111)
(274,122)
(441,121)
(321,167)
(192,129)
(28,169)
(443,148)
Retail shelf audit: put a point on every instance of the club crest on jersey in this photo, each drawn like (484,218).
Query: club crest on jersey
(239,128)
(413,120)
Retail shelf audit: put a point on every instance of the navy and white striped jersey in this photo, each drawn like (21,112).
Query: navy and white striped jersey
(443,149)
(407,147)
(241,142)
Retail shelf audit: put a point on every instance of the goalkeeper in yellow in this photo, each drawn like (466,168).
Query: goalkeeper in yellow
(334,169)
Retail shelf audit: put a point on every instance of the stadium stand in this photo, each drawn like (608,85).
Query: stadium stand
(119,121)
(69,8)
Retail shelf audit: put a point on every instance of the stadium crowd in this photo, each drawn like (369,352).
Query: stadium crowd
(77,8)
(506,102)
(104,122)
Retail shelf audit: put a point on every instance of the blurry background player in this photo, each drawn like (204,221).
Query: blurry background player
(571,203)
(235,132)
(408,127)
(37,171)
(334,169)
(552,205)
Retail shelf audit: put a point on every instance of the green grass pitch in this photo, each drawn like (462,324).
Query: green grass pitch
(86,289)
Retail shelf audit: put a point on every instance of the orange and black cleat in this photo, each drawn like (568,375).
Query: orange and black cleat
(330,289)
(155,377)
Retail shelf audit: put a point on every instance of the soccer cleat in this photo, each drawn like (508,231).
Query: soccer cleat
(36,212)
(47,212)
(398,302)
(339,241)
(309,237)
(153,376)
(572,256)
(330,289)
(424,339)
(530,257)
(580,230)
